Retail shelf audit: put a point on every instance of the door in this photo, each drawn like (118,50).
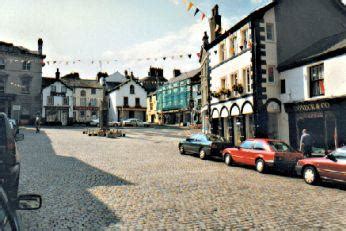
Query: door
(259,150)
(335,169)
(64,118)
(242,155)
(189,145)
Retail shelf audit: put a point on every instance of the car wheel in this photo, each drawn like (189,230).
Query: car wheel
(181,149)
(202,154)
(310,175)
(260,166)
(228,160)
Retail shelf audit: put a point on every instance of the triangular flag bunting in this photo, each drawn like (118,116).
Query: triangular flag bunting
(196,11)
(203,16)
(189,6)
(189,55)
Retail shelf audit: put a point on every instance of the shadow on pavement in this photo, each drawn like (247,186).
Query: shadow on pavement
(65,184)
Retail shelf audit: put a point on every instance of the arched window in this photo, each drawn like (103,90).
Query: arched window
(82,93)
(2,63)
(132,89)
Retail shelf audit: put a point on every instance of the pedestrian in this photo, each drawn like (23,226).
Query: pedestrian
(37,123)
(306,143)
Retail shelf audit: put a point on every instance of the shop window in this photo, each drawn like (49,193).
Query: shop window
(82,93)
(81,113)
(26,65)
(317,80)
(2,64)
(50,100)
(271,74)
(270,31)
(2,85)
(93,113)
(93,91)
(126,101)
(132,89)
(283,86)
(26,86)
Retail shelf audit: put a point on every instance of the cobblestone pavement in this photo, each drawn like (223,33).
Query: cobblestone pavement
(142,182)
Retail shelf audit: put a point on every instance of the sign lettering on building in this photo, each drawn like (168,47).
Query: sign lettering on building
(311,107)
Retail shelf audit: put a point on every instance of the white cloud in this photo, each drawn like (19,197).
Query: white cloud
(175,2)
(256,1)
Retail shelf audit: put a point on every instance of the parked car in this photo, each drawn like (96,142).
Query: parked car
(203,144)
(8,215)
(263,154)
(331,167)
(95,122)
(9,161)
(133,122)
(114,124)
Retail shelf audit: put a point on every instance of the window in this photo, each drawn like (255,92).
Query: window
(2,85)
(258,146)
(53,88)
(82,113)
(66,101)
(248,80)
(244,38)
(247,145)
(271,74)
(93,102)
(234,78)
(317,80)
(63,89)
(26,65)
(93,91)
(283,86)
(138,104)
(74,101)
(2,64)
(93,113)
(270,31)
(50,100)
(233,47)
(223,83)
(82,93)
(132,89)
(26,86)
(83,102)
(222,53)
(126,101)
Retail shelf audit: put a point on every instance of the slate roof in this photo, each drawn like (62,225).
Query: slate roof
(81,83)
(46,81)
(20,49)
(325,48)
(150,83)
(185,75)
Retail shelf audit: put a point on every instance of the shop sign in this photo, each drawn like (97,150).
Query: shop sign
(85,108)
(311,107)
(16,107)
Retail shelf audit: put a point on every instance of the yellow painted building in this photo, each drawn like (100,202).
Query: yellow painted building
(152,114)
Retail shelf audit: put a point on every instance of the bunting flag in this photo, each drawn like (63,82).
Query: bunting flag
(196,12)
(189,6)
(189,55)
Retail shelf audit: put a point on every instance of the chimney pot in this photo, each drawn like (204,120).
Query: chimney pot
(57,74)
(40,45)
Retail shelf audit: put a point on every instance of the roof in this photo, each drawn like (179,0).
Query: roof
(124,83)
(116,77)
(238,25)
(21,49)
(185,75)
(150,83)
(46,81)
(81,83)
(323,49)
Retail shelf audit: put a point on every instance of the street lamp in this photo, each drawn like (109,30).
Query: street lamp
(103,108)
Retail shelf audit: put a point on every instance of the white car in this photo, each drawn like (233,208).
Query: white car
(94,122)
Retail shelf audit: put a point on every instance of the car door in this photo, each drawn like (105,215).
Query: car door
(197,143)
(337,168)
(188,145)
(259,150)
(244,152)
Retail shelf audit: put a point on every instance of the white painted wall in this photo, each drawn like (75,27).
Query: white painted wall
(116,98)
(58,100)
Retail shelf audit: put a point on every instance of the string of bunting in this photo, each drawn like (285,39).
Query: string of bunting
(190,5)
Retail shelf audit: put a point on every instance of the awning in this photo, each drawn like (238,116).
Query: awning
(235,111)
(247,109)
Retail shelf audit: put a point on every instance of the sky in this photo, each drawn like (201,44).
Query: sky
(122,34)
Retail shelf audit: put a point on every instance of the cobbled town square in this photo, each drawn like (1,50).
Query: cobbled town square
(173,115)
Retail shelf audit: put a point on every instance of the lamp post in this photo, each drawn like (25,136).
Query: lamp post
(103,108)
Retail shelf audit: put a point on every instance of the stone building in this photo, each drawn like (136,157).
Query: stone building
(20,81)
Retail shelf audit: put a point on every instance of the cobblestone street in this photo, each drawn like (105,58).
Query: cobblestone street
(142,182)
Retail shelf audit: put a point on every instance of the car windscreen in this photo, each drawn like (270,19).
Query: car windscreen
(340,153)
(215,138)
(279,146)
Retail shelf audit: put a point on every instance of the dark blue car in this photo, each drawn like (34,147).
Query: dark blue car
(204,145)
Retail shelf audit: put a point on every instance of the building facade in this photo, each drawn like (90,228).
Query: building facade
(20,81)
(87,97)
(314,94)
(240,79)
(175,101)
(127,100)
(57,101)
(152,113)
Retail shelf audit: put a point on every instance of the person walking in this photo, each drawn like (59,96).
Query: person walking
(37,123)
(306,143)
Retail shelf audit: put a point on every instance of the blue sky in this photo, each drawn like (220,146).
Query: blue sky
(111,30)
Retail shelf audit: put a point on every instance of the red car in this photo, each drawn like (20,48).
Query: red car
(330,167)
(263,153)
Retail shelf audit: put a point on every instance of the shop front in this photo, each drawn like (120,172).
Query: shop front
(324,119)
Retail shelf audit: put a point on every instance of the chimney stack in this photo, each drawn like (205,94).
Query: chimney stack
(126,73)
(132,76)
(40,45)
(215,23)
(57,74)
(176,72)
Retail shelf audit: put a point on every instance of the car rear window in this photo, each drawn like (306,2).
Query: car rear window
(340,153)
(279,146)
